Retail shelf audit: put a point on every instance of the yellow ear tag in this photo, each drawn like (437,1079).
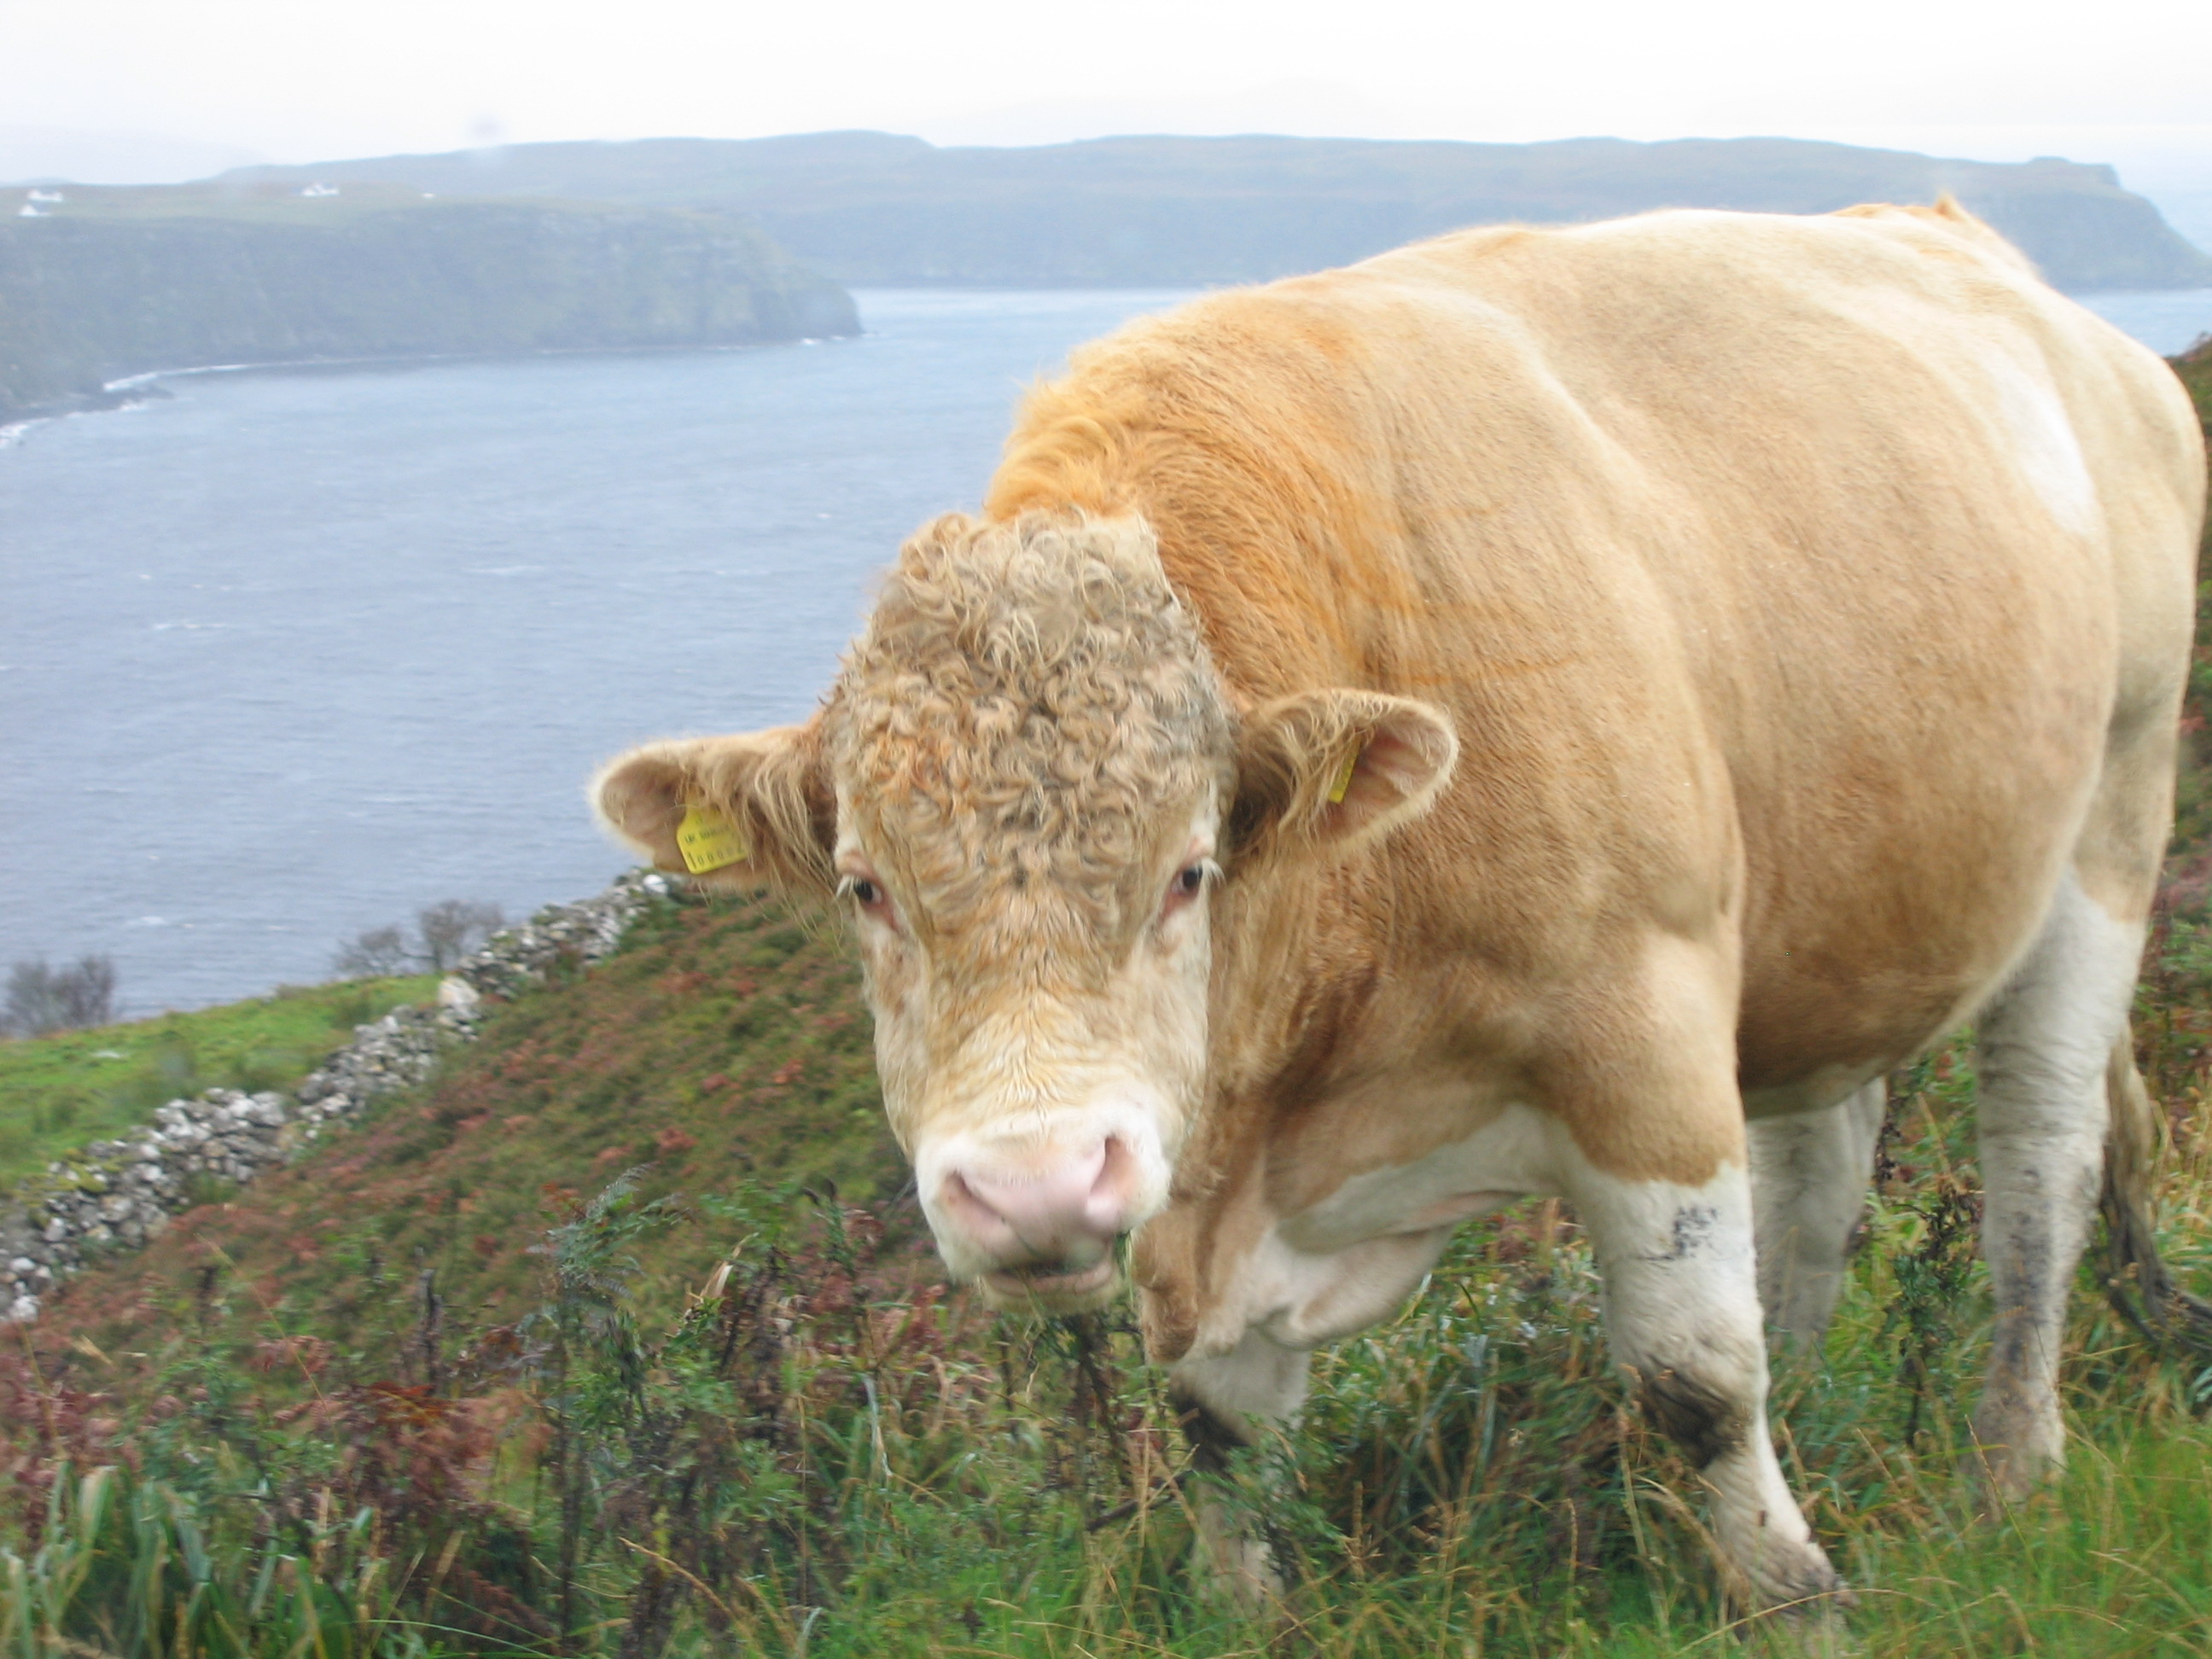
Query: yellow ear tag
(708,841)
(1336,791)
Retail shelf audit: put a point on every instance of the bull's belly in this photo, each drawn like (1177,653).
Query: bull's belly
(1829,1086)
(1806,1045)
(1903,944)
(1808,1041)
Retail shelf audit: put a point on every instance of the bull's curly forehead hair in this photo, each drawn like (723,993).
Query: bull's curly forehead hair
(1026,697)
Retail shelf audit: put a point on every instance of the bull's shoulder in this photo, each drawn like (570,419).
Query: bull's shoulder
(1943,228)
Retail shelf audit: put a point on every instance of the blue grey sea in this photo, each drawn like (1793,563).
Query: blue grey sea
(287,655)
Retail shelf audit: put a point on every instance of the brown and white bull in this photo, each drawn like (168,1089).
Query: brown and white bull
(1541,711)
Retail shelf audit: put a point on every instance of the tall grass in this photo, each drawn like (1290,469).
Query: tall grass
(803,1450)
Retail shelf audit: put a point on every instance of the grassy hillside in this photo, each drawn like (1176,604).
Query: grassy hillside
(58,1092)
(724,1044)
(873,208)
(109,283)
(451,1390)
(622,1338)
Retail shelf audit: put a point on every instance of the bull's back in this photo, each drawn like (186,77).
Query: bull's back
(1838,554)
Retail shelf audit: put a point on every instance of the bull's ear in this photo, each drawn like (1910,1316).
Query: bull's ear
(733,812)
(1331,770)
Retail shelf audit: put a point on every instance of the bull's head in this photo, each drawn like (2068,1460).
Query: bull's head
(1021,792)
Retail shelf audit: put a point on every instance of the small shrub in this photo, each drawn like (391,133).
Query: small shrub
(451,928)
(444,933)
(379,953)
(42,998)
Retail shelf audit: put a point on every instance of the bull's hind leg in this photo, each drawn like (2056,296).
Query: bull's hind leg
(1809,1173)
(2045,1042)
(1682,1315)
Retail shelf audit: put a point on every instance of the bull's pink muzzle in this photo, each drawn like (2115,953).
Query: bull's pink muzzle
(1043,1222)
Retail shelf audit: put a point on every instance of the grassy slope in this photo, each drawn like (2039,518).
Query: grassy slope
(840,1463)
(724,1042)
(58,1092)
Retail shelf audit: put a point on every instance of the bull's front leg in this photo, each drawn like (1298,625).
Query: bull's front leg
(1226,1401)
(1682,1316)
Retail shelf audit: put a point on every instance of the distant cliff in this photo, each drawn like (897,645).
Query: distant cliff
(106,284)
(873,207)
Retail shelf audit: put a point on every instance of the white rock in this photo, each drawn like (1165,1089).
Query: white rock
(23,1309)
(23,1265)
(267,1110)
(458,993)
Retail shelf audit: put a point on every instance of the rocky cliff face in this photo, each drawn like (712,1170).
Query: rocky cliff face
(873,207)
(88,297)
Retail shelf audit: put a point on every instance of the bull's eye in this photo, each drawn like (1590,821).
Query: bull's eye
(868,894)
(1190,882)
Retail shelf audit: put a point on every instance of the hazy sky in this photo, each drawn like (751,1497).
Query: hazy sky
(299,79)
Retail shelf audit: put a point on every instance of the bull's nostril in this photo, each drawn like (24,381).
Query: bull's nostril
(957,1195)
(1108,1204)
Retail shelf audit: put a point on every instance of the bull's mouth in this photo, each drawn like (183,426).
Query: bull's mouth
(1052,1290)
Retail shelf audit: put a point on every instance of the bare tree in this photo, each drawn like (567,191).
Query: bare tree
(42,998)
(453,928)
(87,992)
(376,954)
(444,933)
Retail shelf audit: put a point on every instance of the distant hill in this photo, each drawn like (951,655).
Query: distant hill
(99,284)
(873,208)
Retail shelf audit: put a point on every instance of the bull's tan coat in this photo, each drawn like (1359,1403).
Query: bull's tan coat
(1809,600)
(1762,616)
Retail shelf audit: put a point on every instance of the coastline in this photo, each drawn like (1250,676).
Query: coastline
(130,391)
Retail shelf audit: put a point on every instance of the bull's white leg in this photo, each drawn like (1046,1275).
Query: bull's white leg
(1228,1401)
(2045,1044)
(1809,1173)
(1682,1314)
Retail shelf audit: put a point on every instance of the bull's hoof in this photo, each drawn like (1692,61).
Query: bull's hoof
(1233,1570)
(2015,1454)
(1803,1602)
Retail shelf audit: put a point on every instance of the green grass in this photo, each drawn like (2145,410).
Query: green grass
(799,1450)
(420,1388)
(724,1043)
(58,1092)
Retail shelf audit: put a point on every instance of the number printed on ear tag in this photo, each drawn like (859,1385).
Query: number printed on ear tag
(1336,791)
(708,841)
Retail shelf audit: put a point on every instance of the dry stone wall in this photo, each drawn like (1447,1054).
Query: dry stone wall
(118,1195)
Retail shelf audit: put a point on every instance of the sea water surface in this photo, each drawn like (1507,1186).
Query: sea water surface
(2168,322)
(288,655)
